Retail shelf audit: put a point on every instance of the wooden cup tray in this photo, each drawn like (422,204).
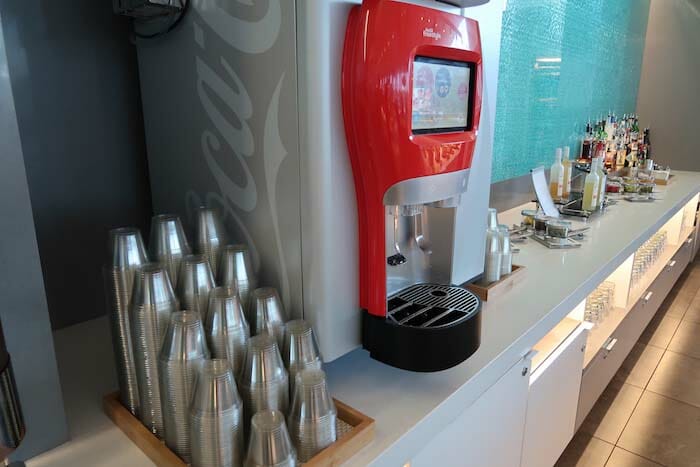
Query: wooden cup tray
(355,430)
(499,287)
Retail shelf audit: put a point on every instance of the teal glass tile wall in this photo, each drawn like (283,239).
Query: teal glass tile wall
(562,61)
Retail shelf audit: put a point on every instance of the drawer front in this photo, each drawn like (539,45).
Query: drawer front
(682,257)
(669,275)
(552,401)
(608,360)
(489,433)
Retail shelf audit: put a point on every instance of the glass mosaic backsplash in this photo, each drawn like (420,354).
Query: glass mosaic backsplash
(562,61)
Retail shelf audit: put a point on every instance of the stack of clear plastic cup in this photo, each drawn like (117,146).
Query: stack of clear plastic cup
(209,235)
(267,314)
(226,328)
(168,244)
(152,304)
(236,270)
(312,416)
(264,381)
(269,444)
(492,219)
(127,255)
(194,284)
(183,353)
(216,417)
(493,263)
(506,251)
(300,350)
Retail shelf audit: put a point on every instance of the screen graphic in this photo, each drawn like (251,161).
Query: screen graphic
(440,95)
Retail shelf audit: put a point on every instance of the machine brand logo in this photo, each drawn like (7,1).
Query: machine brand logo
(429,32)
(237,138)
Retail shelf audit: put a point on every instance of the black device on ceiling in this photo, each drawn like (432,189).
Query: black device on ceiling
(159,16)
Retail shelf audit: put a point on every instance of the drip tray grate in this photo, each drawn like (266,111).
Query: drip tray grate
(432,305)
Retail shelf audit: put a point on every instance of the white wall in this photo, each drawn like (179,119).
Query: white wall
(669,93)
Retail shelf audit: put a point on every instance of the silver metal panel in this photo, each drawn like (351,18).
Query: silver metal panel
(470,223)
(329,210)
(220,106)
(426,241)
(423,190)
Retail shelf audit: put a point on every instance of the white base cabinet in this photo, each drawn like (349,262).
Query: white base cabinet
(489,433)
(552,401)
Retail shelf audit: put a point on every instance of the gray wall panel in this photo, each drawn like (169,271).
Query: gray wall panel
(668,99)
(75,82)
(24,312)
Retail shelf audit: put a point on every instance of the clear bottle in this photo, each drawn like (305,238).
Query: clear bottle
(602,183)
(590,188)
(568,166)
(556,176)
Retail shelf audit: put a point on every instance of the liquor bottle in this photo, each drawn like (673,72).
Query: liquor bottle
(568,166)
(556,176)
(647,144)
(587,143)
(602,183)
(590,189)
(621,153)
(609,127)
(634,133)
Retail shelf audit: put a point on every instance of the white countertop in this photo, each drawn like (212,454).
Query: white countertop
(409,408)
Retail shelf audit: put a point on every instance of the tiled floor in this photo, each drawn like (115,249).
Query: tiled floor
(649,415)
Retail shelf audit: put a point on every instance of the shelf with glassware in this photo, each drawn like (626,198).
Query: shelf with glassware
(632,279)
(608,305)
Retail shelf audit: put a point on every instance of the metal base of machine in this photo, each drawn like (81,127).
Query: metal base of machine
(428,327)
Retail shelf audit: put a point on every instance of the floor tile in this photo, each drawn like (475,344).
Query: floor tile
(659,331)
(677,377)
(665,431)
(585,451)
(686,340)
(693,311)
(691,282)
(639,365)
(688,282)
(622,458)
(609,415)
(676,303)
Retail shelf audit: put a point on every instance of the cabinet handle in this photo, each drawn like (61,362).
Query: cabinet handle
(610,344)
(647,297)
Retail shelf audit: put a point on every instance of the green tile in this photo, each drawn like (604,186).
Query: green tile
(562,61)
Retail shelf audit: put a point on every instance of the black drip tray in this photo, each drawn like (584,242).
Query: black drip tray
(432,305)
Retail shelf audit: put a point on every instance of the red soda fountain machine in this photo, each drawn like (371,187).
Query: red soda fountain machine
(411,96)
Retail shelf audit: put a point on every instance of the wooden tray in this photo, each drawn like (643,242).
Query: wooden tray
(495,289)
(355,430)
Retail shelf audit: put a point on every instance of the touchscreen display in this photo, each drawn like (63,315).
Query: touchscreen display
(441,93)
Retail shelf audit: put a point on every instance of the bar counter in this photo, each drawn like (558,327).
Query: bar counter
(410,409)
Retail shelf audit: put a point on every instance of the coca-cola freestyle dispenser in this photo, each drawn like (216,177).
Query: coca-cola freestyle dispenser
(411,91)
(243,111)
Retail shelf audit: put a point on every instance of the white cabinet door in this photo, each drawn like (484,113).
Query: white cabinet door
(552,402)
(489,433)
